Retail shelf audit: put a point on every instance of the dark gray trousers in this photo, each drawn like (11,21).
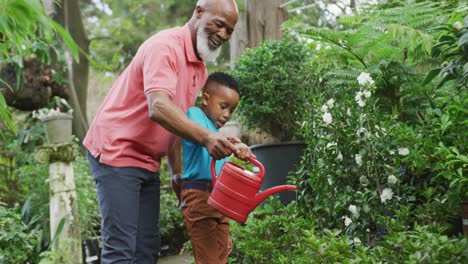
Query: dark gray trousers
(129,206)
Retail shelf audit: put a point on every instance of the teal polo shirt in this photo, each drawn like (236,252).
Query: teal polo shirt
(196,159)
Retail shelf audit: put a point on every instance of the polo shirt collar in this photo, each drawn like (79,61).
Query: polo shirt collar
(189,51)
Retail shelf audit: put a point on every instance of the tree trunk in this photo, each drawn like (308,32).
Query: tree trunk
(68,14)
(261,21)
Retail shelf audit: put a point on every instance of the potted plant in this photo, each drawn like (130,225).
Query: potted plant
(57,119)
(274,82)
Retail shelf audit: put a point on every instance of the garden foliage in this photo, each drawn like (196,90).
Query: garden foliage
(384,174)
(274,82)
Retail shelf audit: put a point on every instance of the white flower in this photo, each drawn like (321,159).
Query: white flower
(358,159)
(348,111)
(391,152)
(364,78)
(330,103)
(358,96)
(354,210)
(327,118)
(360,130)
(367,93)
(45,113)
(331,144)
(361,103)
(330,181)
(347,221)
(392,179)
(357,241)
(339,157)
(324,108)
(387,194)
(403,151)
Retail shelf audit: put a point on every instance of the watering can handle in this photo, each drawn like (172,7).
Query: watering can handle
(252,160)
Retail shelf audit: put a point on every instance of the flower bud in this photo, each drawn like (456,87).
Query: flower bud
(457,26)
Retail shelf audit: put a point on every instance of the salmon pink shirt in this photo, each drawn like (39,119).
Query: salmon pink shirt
(122,132)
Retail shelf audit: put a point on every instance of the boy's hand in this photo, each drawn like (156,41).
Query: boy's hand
(243,152)
(176,184)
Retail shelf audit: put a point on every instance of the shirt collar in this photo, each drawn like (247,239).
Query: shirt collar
(189,51)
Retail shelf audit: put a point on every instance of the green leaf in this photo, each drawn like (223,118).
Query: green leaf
(431,75)
(69,42)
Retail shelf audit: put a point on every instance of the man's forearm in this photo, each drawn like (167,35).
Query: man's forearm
(170,116)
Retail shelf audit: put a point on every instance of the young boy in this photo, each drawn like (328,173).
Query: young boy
(208,229)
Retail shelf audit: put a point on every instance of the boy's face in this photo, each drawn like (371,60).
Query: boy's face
(219,102)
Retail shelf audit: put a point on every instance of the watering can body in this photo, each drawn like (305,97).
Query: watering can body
(235,190)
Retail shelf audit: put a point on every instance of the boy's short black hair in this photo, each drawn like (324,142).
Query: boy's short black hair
(223,79)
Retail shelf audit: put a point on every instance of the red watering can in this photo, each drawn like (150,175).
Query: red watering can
(235,191)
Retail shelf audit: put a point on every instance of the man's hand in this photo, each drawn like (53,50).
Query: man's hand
(219,146)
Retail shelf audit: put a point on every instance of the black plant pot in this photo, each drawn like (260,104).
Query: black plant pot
(279,159)
(91,251)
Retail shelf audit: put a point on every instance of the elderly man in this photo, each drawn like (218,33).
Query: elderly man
(135,126)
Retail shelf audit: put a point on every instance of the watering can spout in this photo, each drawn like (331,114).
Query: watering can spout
(263,195)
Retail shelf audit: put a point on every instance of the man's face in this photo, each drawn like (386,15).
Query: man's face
(215,28)
(219,103)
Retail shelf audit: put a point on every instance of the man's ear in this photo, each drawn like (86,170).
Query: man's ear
(199,11)
(205,97)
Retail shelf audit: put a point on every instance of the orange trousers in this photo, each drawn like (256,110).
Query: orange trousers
(208,229)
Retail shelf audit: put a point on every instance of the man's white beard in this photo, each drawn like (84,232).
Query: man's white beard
(205,52)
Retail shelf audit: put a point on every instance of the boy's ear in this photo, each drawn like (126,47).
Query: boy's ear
(205,97)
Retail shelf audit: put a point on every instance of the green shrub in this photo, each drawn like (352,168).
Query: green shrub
(422,246)
(17,242)
(274,82)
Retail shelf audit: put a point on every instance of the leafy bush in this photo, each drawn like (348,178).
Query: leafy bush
(274,82)
(272,234)
(17,241)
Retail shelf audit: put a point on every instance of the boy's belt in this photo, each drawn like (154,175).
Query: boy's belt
(197,185)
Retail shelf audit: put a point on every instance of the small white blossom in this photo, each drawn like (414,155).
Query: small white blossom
(403,151)
(347,221)
(360,130)
(327,118)
(358,96)
(324,108)
(364,78)
(331,144)
(357,241)
(330,181)
(361,103)
(367,93)
(330,103)
(387,194)
(391,152)
(358,159)
(392,179)
(354,210)
(348,111)
(339,157)
(45,113)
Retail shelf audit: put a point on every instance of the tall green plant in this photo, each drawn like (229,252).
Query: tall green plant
(392,42)
(274,82)
(25,29)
